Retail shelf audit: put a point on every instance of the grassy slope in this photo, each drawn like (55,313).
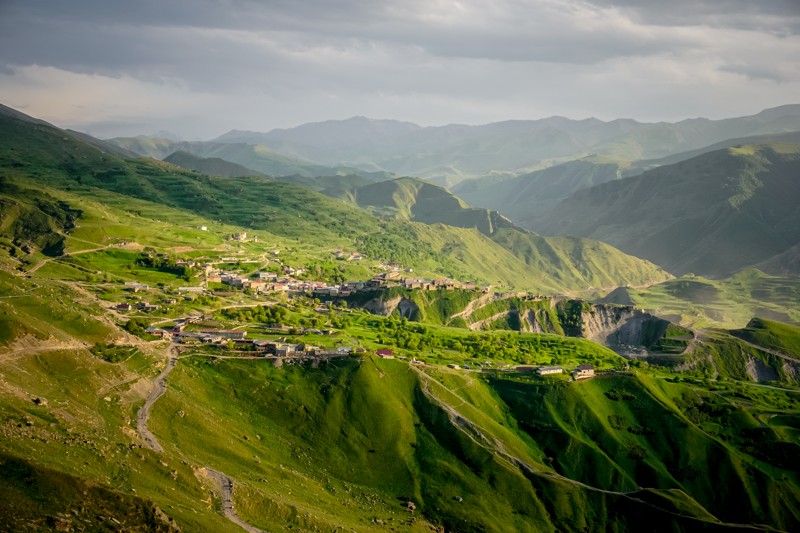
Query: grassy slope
(343,444)
(784,338)
(372,429)
(713,214)
(524,196)
(260,159)
(728,303)
(581,263)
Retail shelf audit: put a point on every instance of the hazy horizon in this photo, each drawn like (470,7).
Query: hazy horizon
(199,69)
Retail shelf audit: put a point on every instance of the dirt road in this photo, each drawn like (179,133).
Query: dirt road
(160,388)
(226,495)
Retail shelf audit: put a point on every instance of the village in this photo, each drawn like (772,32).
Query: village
(199,331)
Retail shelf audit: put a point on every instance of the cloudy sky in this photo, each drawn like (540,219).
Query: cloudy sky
(199,68)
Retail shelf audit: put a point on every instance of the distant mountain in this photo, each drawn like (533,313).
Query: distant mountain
(146,146)
(331,142)
(211,166)
(786,263)
(258,158)
(711,215)
(449,154)
(526,197)
(523,196)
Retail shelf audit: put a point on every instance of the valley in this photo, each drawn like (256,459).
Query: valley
(192,352)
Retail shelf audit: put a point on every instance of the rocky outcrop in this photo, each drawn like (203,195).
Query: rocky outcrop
(615,326)
(405,307)
(760,372)
(537,321)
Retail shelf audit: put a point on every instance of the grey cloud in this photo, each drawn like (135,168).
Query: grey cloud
(496,59)
(111,35)
(777,17)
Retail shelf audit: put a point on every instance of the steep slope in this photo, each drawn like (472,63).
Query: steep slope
(467,451)
(581,264)
(786,263)
(711,215)
(523,196)
(527,196)
(590,264)
(763,351)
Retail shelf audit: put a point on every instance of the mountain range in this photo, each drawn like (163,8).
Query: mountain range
(448,154)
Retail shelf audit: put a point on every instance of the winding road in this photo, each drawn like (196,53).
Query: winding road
(226,495)
(160,388)
(150,441)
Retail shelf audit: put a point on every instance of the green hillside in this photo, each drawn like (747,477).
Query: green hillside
(746,355)
(710,215)
(730,302)
(257,158)
(784,338)
(351,442)
(450,434)
(210,166)
(524,196)
(588,265)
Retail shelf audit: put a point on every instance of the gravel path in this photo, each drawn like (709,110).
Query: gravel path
(161,387)
(226,486)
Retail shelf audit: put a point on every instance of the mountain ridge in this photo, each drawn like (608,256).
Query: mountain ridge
(447,154)
(713,214)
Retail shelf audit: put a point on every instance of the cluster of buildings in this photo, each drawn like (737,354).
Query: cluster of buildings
(264,348)
(581,372)
(395,278)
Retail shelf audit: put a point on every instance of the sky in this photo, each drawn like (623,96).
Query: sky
(199,68)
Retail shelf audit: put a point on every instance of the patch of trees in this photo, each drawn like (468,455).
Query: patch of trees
(699,408)
(618,394)
(266,314)
(162,263)
(137,326)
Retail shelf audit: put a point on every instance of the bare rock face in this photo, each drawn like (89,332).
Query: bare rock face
(615,325)
(601,321)
(406,307)
(759,372)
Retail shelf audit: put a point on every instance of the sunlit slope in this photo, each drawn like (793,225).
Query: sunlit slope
(711,215)
(470,455)
(730,302)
